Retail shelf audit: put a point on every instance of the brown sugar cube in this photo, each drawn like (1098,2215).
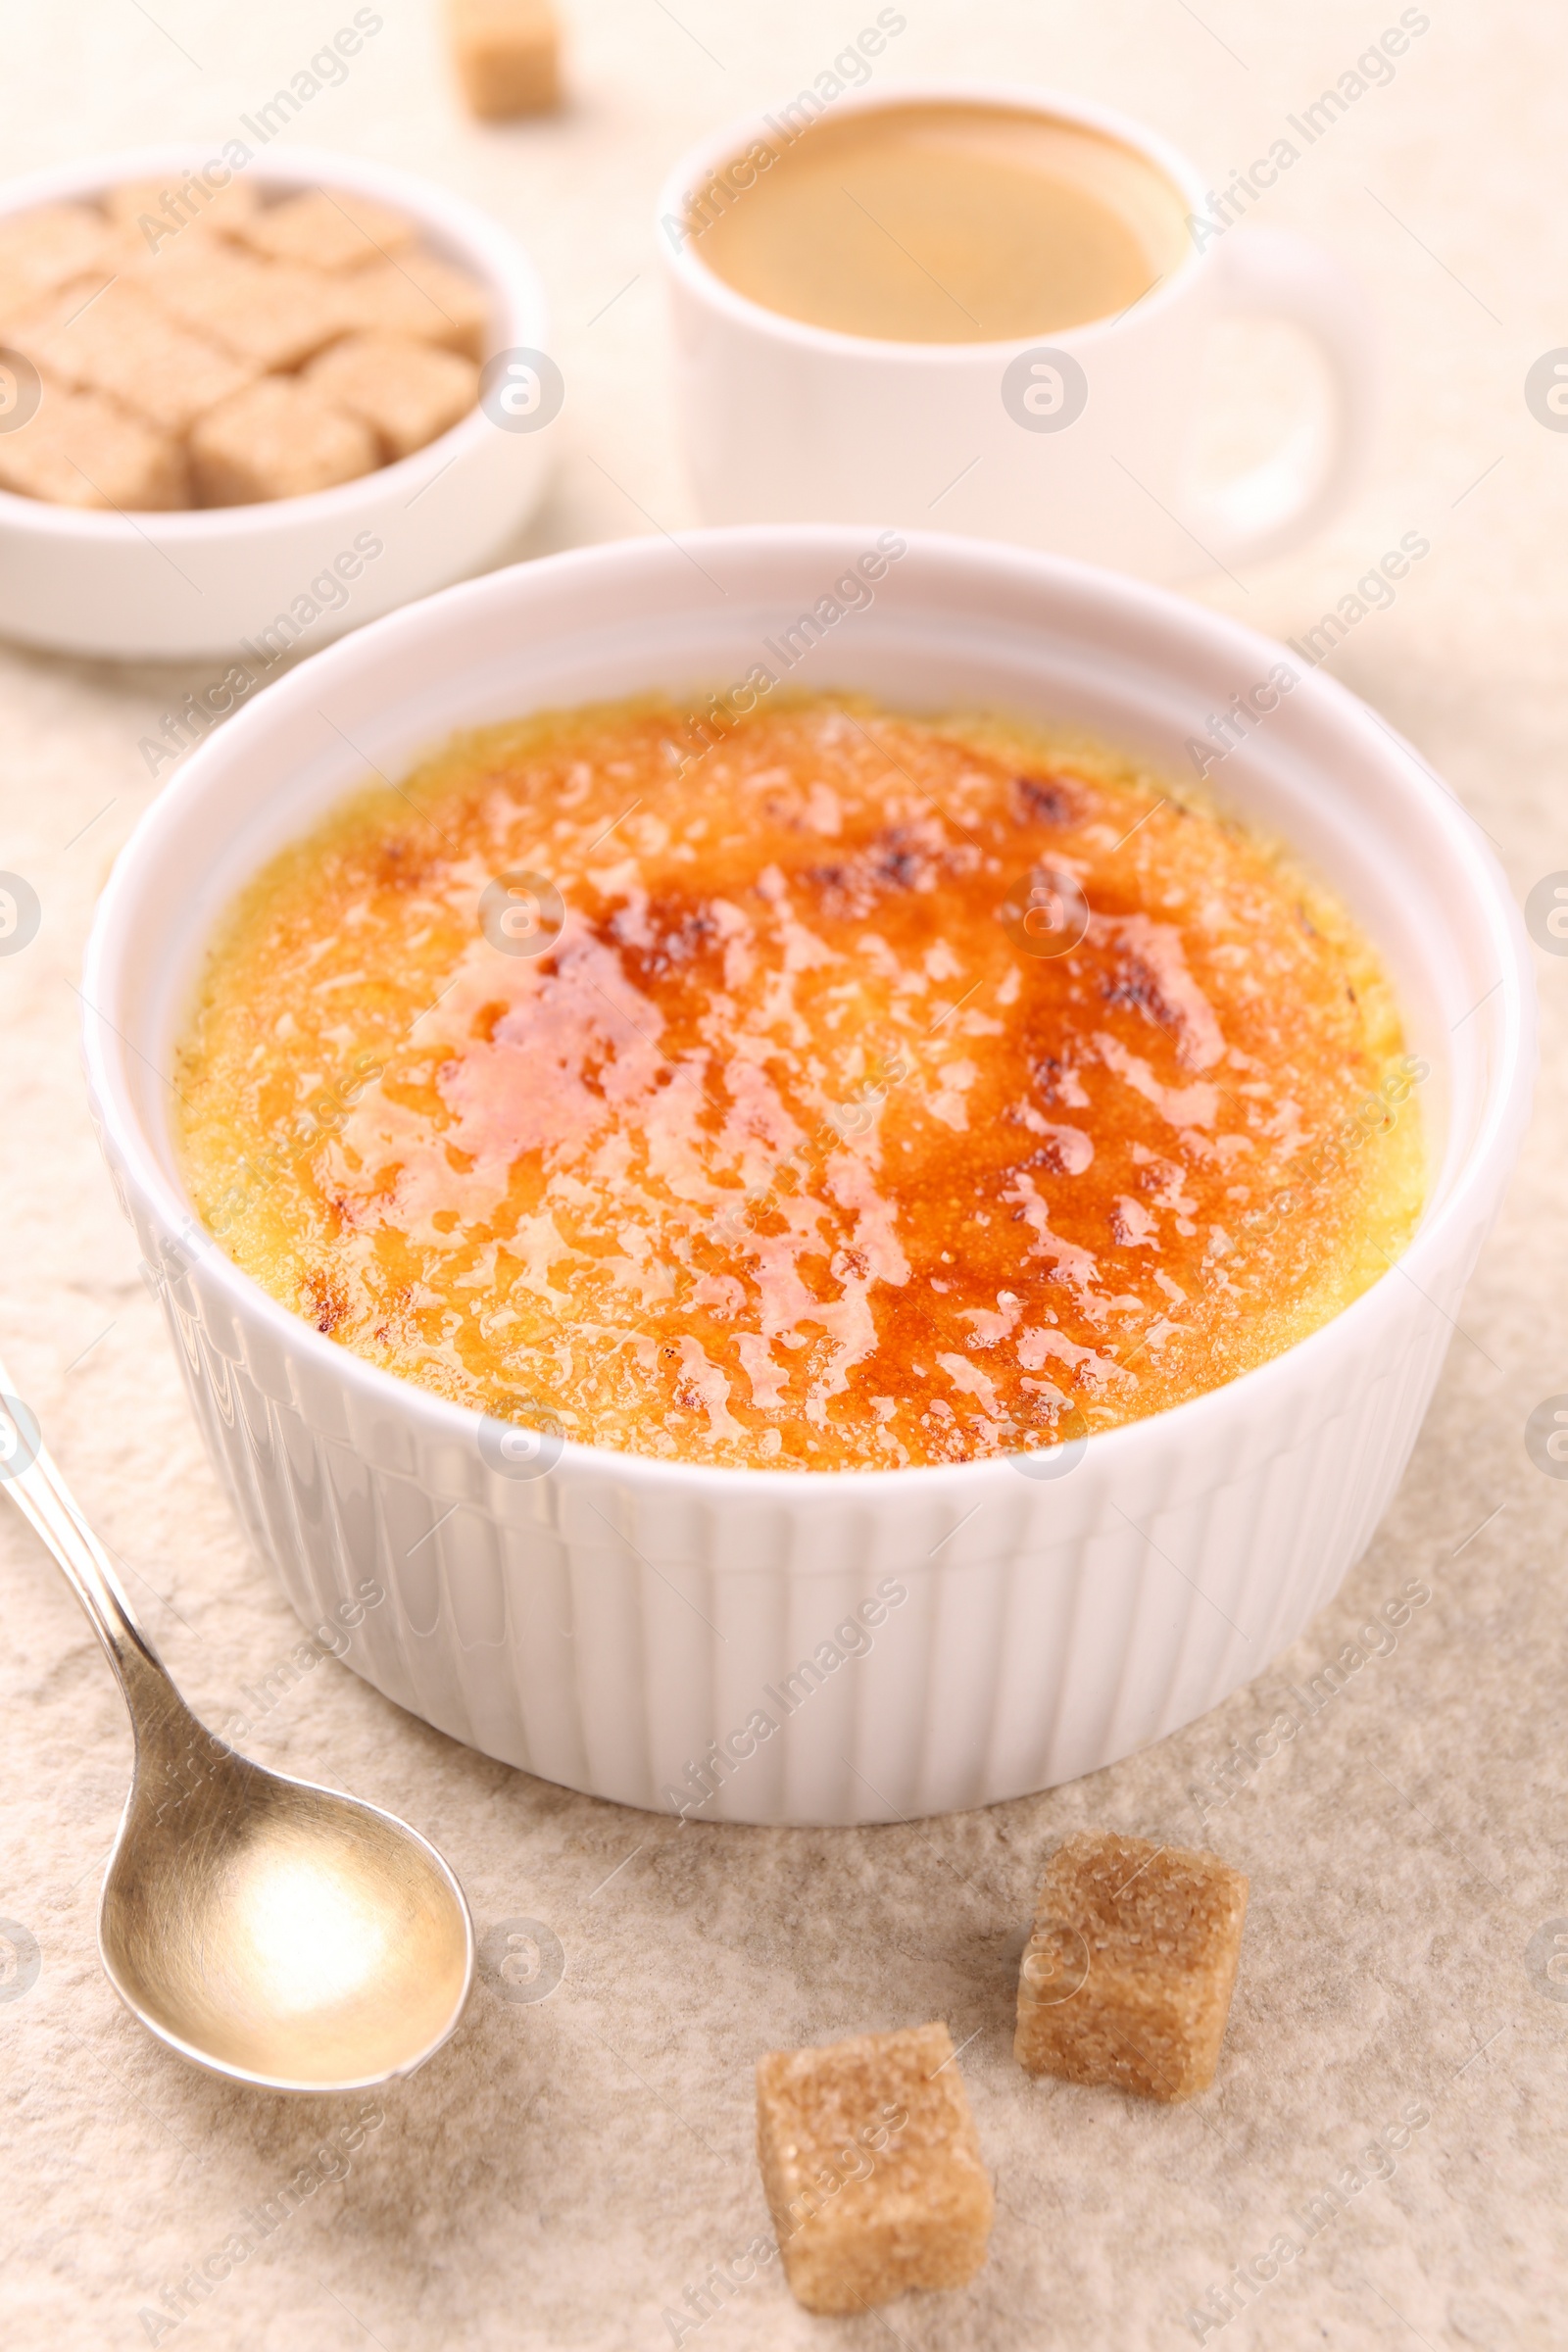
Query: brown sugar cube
(329,229)
(417,295)
(158,210)
(24,305)
(873,2168)
(119,342)
(29,325)
(273,313)
(276,439)
(17,298)
(157,271)
(508,55)
(1128,1973)
(405,392)
(79,449)
(48,247)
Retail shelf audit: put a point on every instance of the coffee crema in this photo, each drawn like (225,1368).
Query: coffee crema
(868,1090)
(942,223)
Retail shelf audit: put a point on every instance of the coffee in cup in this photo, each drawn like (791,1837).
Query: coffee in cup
(982,311)
(943,222)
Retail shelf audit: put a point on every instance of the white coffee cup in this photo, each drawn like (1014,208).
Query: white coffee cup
(1079,442)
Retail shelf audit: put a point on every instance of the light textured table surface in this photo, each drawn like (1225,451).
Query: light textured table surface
(567,2169)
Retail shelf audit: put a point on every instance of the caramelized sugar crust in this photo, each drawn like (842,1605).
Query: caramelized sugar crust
(791,1146)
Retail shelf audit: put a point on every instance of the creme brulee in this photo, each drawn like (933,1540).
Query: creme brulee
(859,1090)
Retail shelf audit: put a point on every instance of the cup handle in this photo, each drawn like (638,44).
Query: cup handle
(1273,274)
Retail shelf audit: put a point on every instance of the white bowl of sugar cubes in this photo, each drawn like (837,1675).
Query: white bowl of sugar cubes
(249,403)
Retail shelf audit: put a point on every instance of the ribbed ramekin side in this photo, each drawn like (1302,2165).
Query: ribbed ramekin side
(724,1651)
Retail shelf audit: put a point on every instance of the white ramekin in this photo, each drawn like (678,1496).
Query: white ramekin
(170,586)
(974,1632)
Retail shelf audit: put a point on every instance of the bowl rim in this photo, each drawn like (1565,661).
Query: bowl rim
(490,250)
(1030,98)
(1499,1124)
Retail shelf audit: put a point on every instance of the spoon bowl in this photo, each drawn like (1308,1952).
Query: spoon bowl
(273,1932)
(320,1945)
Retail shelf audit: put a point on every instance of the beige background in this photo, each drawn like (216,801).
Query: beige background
(566,2170)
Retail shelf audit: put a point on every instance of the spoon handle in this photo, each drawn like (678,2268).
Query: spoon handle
(43,1499)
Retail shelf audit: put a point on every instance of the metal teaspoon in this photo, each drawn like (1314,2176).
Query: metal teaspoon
(272,1931)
